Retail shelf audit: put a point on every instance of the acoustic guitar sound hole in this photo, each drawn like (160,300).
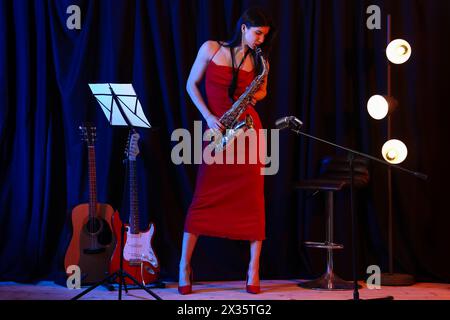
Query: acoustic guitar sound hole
(100,229)
(105,237)
(94,225)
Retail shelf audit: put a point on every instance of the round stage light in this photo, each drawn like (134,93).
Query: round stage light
(398,51)
(394,151)
(378,107)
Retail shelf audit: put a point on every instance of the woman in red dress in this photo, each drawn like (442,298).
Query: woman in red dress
(229,198)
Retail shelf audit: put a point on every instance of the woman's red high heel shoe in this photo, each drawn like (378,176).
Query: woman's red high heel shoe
(254,289)
(187,289)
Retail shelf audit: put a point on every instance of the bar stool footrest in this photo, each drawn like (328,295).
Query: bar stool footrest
(323,245)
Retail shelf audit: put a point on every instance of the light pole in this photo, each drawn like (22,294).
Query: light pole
(394,151)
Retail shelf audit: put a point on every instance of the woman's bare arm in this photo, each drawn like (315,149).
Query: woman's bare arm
(196,75)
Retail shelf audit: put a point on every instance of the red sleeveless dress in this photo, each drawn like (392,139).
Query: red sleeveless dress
(229,198)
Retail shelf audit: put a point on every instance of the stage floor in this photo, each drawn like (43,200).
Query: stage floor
(229,290)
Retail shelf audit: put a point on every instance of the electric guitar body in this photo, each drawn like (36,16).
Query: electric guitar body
(139,259)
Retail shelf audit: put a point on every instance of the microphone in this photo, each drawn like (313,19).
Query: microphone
(288,122)
(296,123)
(282,123)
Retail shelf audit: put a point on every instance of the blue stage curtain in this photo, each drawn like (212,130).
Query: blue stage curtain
(325,65)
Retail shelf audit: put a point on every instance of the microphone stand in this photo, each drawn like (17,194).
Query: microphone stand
(351,156)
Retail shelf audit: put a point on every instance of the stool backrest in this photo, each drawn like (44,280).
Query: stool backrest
(338,168)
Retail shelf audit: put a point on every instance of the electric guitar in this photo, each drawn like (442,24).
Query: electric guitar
(92,241)
(139,259)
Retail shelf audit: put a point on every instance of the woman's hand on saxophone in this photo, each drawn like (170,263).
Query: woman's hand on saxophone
(214,123)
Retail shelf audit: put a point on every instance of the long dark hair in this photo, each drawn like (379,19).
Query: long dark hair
(252,17)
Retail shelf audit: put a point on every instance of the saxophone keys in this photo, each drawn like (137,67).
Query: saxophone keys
(249,121)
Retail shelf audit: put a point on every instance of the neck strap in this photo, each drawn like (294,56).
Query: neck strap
(233,60)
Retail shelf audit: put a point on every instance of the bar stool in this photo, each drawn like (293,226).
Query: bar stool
(334,176)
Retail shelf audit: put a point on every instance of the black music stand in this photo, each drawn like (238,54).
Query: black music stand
(122,108)
(295,124)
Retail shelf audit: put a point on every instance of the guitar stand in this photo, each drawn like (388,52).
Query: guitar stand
(119,273)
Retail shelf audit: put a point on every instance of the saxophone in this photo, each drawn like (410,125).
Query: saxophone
(229,119)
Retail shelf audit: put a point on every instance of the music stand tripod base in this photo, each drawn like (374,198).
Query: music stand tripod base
(113,285)
(121,275)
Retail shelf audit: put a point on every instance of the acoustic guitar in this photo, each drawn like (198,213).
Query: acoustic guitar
(92,241)
(139,258)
